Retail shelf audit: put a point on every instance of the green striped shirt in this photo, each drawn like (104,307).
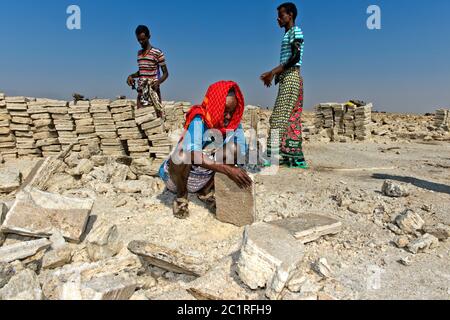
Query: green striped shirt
(294,33)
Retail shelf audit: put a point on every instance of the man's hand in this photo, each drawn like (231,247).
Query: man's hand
(239,176)
(267,78)
(130,81)
(155,85)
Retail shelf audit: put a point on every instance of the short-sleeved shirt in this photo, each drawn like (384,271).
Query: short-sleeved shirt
(150,63)
(295,33)
(196,140)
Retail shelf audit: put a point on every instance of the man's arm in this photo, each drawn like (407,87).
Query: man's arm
(239,176)
(131,77)
(165,75)
(293,60)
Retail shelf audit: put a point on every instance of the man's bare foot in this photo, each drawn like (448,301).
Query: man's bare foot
(181,208)
(208,199)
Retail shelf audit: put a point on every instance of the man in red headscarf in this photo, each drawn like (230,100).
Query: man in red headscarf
(213,142)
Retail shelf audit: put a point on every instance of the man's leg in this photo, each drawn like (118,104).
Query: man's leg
(228,155)
(179,173)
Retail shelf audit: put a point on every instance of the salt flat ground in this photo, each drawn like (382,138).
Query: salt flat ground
(364,260)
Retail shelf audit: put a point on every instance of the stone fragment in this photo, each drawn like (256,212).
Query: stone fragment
(84,167)
(190,263)
(322,268)
(57,258)
(54,280)
(22,250)
(23,286)
(425,243)
(361,208)
(36,213)
(440,231)
(176,295)
(221,283)
(140,296)
(269,256)
(103,242)
(309,227)
(109,287)
(395,190)
(10,179)
(409,221)
(401,242)
(234,205)
(6,272)
(133,186)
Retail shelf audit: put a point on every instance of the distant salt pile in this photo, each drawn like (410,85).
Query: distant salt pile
(344,122)
(442,119)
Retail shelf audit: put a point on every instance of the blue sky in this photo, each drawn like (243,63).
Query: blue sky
(403,67)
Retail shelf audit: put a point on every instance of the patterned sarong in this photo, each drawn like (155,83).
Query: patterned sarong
(286,117)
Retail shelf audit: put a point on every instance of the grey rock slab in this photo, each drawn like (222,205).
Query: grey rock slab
(170,259)
(309,227)
(22,250)
(23,286)
(38,214)
(268,258)
(10,179)
(234,205)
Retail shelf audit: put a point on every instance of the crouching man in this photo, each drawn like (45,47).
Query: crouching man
(213,142)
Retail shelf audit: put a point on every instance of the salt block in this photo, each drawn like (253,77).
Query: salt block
(234,205)
(309,227)
(38,214)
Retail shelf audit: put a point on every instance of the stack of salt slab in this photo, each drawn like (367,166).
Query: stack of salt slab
(127,129)
(105,128)
(349,122)
(442,118)
(363,119)
(155,131)
(7,139)
(21,127)
(44,131)
(64,125)
(175,114)
(84,124)
(144,117)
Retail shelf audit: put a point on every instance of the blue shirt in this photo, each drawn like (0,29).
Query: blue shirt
(295,33)
(198,139)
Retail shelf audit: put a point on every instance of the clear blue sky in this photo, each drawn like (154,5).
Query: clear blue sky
(403,67)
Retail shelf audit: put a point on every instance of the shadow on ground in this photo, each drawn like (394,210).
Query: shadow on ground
(431,186)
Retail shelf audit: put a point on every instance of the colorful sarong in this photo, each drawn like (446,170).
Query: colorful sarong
(287,117)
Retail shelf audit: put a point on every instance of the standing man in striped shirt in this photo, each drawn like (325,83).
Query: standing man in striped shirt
(151,61)
(285,137)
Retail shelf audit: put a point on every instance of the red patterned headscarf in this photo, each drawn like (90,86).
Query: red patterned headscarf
(213,107)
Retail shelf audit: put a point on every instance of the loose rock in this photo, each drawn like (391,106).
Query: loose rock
(268,261)
(23,286)
(395,190)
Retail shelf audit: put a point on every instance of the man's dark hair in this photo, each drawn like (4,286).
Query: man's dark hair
(290,8)
(142,29)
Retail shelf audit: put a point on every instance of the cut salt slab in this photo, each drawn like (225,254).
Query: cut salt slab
(190,263)
(109,287)
(309,227)
(23,286)
(269,256)
(38,214)
(10,179)
(234,205)
(221,283)
(22,250)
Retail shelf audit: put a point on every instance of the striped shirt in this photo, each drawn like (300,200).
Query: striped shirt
(150,63)
(295,33)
